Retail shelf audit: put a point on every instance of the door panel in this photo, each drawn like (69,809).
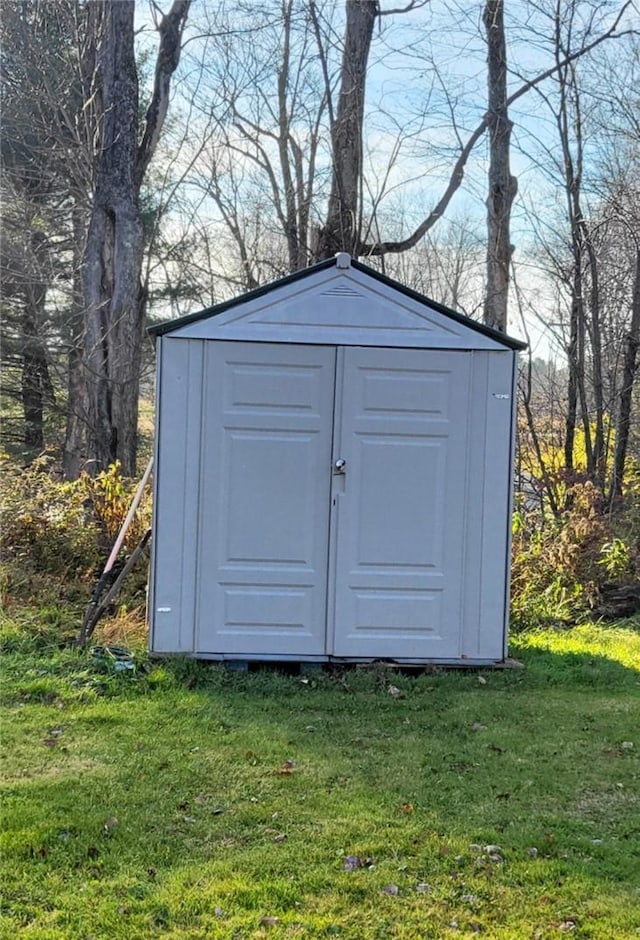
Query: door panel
(264,527)
(399,509)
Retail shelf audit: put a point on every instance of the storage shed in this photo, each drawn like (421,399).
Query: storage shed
(333,476)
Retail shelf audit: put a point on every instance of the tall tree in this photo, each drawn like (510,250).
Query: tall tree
(342,228)
(113,255)
(38,82)
(502,185)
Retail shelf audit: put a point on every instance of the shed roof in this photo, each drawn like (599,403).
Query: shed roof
(415,313)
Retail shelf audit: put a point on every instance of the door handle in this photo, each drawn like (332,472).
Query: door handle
(340,466)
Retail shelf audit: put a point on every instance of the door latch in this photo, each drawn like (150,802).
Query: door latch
(340,466)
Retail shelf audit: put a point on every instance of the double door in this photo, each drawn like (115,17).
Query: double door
(332,504)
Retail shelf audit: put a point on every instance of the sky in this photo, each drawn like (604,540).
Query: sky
(426,91)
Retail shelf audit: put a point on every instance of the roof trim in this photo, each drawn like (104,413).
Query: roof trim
(168,326)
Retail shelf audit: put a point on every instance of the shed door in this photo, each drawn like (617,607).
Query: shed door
(398,505)
(264,521)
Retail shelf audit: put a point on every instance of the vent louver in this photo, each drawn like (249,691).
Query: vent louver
(341,290)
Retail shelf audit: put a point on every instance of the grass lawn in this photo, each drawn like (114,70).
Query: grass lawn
(190,802)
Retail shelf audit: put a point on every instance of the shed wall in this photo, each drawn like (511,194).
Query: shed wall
(176,565)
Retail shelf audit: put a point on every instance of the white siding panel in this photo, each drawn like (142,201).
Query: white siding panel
(496,504)
(176,497)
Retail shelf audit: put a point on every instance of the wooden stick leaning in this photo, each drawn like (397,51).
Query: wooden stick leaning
(90,619)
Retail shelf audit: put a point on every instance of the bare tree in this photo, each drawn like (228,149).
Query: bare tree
(502,185)
(113,256)
(342,230)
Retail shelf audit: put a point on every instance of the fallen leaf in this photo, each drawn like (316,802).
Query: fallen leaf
(492,849)
(391,890)
(394,691)
(627,745)
(482,680)
(50,742)
(287,768)
(477,726)
(269,921)
(407,808)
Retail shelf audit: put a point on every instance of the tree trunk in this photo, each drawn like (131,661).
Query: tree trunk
(626,395)
(36,382)
(113,252)
(112,264)
(502,185)
(341,231)
(75,442)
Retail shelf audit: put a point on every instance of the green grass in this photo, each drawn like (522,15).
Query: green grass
(159,805)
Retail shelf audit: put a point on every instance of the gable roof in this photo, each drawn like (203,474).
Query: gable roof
(253,315)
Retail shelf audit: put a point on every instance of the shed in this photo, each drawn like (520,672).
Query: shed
(333,476)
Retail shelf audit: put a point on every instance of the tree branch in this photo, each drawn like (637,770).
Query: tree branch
(171,29)
(457,174)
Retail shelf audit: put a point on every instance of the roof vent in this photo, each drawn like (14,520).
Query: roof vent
(343,260)
(341,290)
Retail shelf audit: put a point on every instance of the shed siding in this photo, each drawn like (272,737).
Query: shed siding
(175,562)
(496,502)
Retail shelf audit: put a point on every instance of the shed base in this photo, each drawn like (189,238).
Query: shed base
(241,664)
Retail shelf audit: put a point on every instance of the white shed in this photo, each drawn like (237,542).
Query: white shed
(333,476)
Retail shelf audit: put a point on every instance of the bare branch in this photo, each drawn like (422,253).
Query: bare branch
(171,29)
(457,174)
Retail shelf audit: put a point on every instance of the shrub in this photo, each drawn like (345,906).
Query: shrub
(560,563)
(56,535)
